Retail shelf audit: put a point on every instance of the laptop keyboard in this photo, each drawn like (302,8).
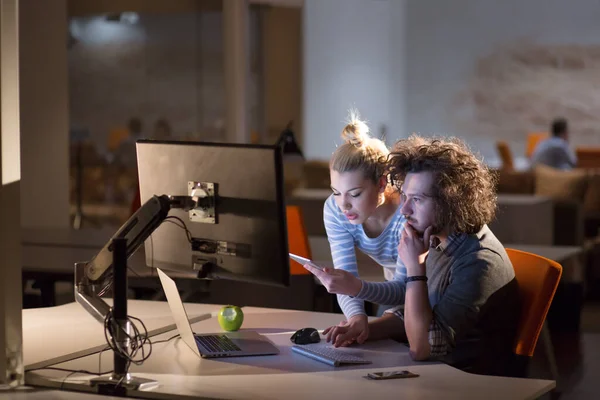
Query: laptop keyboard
(217,343)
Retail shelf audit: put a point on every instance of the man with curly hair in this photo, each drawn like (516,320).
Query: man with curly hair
(461,297)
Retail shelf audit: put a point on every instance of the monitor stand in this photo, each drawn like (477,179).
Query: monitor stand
(119,385)
(121,380)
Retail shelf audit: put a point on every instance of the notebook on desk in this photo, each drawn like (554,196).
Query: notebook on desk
(212,345)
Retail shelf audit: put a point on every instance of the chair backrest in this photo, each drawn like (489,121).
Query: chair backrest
(538,279)
(533,139)
(115,137)
(297,239)
(588,157)
(505,154)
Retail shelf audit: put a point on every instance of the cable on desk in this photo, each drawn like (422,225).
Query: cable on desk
(153,343)
(137,341)
(83,371)
(167,340)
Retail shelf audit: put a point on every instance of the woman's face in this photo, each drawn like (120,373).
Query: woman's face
(356,196)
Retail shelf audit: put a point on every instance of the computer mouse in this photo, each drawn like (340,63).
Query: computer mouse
(306,336)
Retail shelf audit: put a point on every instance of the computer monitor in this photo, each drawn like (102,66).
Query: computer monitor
(245,236)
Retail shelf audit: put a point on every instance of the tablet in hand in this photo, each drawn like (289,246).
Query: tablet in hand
(302,261)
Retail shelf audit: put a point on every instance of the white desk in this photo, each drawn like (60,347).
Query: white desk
(288,375)
(55,334)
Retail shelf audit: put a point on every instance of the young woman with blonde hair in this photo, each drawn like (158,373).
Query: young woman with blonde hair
(362,211)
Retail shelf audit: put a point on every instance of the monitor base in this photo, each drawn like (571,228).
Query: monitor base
(118,383)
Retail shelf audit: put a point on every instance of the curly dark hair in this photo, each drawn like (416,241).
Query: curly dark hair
(465,189)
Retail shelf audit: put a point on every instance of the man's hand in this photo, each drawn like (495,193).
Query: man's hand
(336,280)
(412,249)
(356,329)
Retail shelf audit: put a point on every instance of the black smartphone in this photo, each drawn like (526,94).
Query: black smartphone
(390,375)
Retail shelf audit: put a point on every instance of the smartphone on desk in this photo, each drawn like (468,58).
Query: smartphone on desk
(302,261)
(378,376)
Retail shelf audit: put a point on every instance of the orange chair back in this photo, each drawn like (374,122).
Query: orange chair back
(297,239)
(115,137)
(505,154)
(538,279)
(532,141)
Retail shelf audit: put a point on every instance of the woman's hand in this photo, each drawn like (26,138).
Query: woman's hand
(356,329)
(412,249)
(336,280)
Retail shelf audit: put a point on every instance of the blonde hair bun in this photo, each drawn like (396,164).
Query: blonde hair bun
(356,132)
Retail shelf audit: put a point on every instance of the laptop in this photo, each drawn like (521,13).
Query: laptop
(213,345)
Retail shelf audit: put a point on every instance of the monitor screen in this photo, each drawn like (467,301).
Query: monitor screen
(240,231)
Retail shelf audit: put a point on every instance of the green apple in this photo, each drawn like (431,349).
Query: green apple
(231,318)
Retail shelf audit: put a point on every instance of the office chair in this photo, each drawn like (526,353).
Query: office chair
(116,137)
(538,279)
(505,155)
(588,157)
(299,245)
(533,139)
(297,239)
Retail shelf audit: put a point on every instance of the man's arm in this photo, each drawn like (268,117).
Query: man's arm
(417,319)
(389,326)
(475,278)
(413,250)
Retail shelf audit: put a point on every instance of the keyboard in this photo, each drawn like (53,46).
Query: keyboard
(329,355)
(217,343)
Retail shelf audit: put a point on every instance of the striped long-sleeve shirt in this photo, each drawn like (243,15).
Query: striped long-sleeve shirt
(344,236)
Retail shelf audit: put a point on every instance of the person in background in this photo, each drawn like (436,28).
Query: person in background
(555,151)
(135,128)
(362,211)
(125,155)
(462,301)
(162,130)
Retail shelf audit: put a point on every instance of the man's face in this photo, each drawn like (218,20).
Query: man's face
(418,205)
(355,196)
